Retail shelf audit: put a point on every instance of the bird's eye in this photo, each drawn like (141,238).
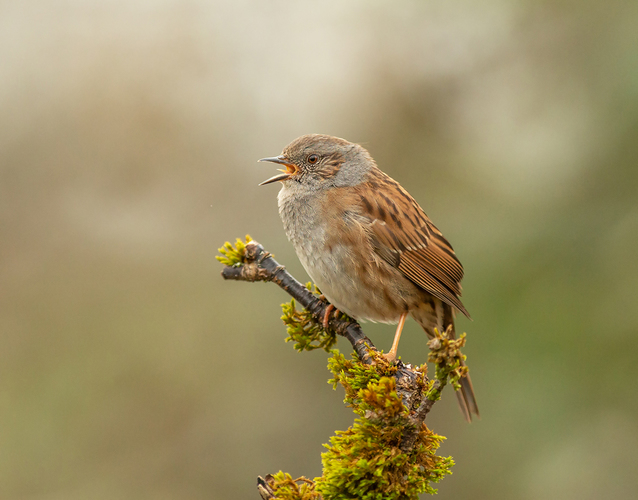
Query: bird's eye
(312,159)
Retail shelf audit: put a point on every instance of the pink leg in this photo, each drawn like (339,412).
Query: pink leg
(392,355)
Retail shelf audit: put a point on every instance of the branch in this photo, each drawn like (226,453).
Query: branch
(260,266)
(251,262)
(265,490)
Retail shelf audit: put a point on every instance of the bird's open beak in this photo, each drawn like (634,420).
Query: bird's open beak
(282,160)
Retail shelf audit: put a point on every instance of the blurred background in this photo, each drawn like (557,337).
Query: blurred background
(129,134)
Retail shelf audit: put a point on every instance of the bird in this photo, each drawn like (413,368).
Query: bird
(366,243)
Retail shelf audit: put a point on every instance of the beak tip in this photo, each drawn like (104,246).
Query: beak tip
(281,160)
(280,177)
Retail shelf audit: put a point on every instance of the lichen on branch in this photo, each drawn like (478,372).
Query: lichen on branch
(233,256)
(445,353)
(282,486)
(388,453)
(303,328)
(367,460)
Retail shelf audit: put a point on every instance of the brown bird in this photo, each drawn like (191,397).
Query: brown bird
(366,243)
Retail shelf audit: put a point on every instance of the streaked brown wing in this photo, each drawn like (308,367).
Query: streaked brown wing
(405,238)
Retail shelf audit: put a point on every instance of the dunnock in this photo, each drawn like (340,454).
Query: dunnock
(366,242)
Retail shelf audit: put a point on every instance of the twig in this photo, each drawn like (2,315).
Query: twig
(263,486)
(259,265)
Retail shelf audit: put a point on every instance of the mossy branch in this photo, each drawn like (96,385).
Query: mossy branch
(233,256)
(446,355)
(250,262)
(282,486)
(388,453)
(303,328)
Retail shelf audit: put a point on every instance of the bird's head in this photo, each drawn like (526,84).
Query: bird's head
(320,161)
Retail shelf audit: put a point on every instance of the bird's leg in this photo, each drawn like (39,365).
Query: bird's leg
(326,316)
(392,355)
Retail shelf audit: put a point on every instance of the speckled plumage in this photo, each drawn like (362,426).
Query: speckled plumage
(365,241)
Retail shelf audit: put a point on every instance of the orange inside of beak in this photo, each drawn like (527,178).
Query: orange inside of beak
(290,169)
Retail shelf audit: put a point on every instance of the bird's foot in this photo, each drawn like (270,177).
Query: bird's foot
(390,357)
(326,316)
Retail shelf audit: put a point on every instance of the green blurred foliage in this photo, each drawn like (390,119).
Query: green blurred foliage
(130,134)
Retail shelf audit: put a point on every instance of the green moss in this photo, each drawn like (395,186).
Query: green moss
(233,255)
(366,462)
(355,376)
(287,488)
(304,330)
(445,353)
